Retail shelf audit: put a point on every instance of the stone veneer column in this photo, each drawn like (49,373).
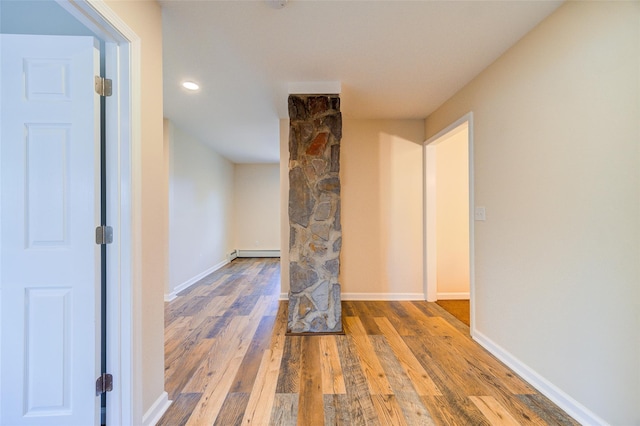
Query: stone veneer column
(315,130)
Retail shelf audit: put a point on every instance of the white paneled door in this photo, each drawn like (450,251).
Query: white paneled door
(49,260)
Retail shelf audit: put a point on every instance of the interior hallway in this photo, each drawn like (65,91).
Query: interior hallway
(228,362)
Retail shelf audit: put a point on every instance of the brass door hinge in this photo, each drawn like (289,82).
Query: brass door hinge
(104,383)
(104,235)
(104,86)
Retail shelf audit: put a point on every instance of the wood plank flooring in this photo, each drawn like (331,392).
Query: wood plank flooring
(458,308)
(228,362)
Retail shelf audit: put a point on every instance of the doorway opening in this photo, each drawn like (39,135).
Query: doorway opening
(448,164)
(122,158)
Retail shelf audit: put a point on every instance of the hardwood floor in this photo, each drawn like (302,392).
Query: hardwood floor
(458,308)
(228,362)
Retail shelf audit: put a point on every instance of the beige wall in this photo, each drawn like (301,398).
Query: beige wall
(201,194)
(215,207)
(144,17)
(381,176)
(452,215)
(257,206)
(557,166)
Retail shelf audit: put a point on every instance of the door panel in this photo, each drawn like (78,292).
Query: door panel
(49,262)
(47,330)
(47,184)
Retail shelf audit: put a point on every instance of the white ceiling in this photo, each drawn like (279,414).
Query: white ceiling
(394,59)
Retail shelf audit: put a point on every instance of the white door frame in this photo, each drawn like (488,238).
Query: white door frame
(429,241)
(124,349)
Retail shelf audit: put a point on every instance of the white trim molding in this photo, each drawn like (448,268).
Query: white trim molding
(191,281)
(157,409)
(381,296)
(572,407)
(454,296)
(124,140)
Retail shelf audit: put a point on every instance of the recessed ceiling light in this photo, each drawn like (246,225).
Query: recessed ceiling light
(190,85)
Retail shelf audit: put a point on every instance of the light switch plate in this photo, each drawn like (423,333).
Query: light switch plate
(480,213)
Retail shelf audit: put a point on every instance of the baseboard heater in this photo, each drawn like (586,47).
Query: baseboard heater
(232,255)
(257,253)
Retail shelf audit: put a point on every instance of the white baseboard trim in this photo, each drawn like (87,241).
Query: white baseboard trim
(153,414)
(382,296)
(372,296)
(572,407)
(454,296)
(191,281)
(258,253)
